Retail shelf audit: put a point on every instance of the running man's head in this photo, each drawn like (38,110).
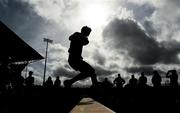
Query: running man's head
(85,30)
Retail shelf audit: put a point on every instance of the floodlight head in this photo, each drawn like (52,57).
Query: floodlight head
(48,40)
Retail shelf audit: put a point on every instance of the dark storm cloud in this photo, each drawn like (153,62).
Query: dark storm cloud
(100,71)
(172,2)
(150,28)
(127,35)
(146,69)
(140,11)
(21,18)
(67,71)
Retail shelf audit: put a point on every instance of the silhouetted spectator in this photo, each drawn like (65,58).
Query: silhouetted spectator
(107,84)
(4,73)
(132,82)
(172,74)
(49,83)
(156,79)
(78,40)
(57,82)
(29,81)
(17,81)
(142,81)
(119,81)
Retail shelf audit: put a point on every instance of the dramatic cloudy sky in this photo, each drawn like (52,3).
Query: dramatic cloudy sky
(128,36)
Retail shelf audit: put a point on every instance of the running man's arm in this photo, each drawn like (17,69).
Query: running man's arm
(85,41)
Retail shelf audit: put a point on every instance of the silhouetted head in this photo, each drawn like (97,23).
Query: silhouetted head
(142,73)
(30,73)
(49,78)
(132,76)
(57,77)
(119,75)
(155,72)
(174,72)
(106,79)
(85,30)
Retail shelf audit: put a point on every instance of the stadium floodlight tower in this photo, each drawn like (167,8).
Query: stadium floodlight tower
(47,42)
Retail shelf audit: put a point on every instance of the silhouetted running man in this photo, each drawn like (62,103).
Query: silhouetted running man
(78,40)
(119,81)
(156,79)
(172,74)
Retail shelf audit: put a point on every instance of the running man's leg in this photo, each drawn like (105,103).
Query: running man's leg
(88,71)
(80,76)
(94,79)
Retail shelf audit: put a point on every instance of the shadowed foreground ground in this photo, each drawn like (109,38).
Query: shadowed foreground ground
(39,99)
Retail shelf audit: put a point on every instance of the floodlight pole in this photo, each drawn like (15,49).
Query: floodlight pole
(47,41)
(26,69)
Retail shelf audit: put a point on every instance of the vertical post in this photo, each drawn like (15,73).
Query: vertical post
(45,64)
(47,41)
(26,69)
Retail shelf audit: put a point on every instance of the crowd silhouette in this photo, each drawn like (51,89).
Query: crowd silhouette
(119,92)
(16,81)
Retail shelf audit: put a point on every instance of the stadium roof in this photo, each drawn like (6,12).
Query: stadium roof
(14,48)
